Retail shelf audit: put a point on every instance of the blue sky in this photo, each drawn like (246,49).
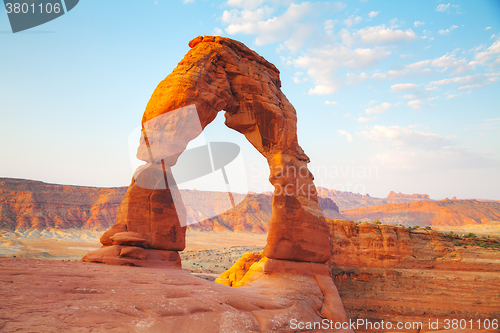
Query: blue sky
(390,95)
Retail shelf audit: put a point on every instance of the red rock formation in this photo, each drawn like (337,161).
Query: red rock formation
(28,204)
(422,213)
(368,244)
(390,273)
(83,207)
(223,74)
(394,195)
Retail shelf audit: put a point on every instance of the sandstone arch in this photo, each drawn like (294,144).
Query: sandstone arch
(223,74)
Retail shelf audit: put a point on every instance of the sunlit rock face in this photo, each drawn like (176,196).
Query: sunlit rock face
(222,74)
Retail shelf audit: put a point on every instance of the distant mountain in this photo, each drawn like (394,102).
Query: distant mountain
(29,204)
(350,200)
(399,195)
(422,213)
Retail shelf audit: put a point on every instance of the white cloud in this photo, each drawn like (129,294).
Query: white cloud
(485,56)
(405,137)
(322,64)
(450,61)
(187,1)
(364,120)
(447,31)
(353,20)
(256,19)
(331,103)
(416,104)
(217,31)
(442,7)
(381,35)
(373,14)
(407,70)
(418,23)
(378,109)
(404,87)
(487,28)
(346,134)
(469,81)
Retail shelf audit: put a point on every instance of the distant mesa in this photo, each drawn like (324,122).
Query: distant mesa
(399,195)
(324,192)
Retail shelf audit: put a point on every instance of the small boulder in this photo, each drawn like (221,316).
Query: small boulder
(128,239)
(114,229)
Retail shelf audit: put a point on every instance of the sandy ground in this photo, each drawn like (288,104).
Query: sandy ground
(492,229)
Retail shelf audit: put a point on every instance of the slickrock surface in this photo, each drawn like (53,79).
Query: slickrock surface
(223,74)
(45,295)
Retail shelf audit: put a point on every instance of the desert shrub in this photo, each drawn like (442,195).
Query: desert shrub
(428,228)
(377,222)
(470,235)
(481,244)
(451,233)
(457,244)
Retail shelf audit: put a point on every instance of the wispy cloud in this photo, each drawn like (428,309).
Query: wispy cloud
(373,14)
(353,20)
(447,31)
(382,35)
(346,134)
(378,109)
(442,7)
(418,23)
(416,104)
(404,87)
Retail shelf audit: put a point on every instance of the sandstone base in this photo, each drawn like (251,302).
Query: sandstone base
(134,256)
(57,296)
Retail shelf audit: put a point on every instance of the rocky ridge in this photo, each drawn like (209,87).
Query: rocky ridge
(437,213)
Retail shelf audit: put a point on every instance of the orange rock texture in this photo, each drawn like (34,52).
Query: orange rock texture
(392,273)
(62,296)
(223,74)
(368,245)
